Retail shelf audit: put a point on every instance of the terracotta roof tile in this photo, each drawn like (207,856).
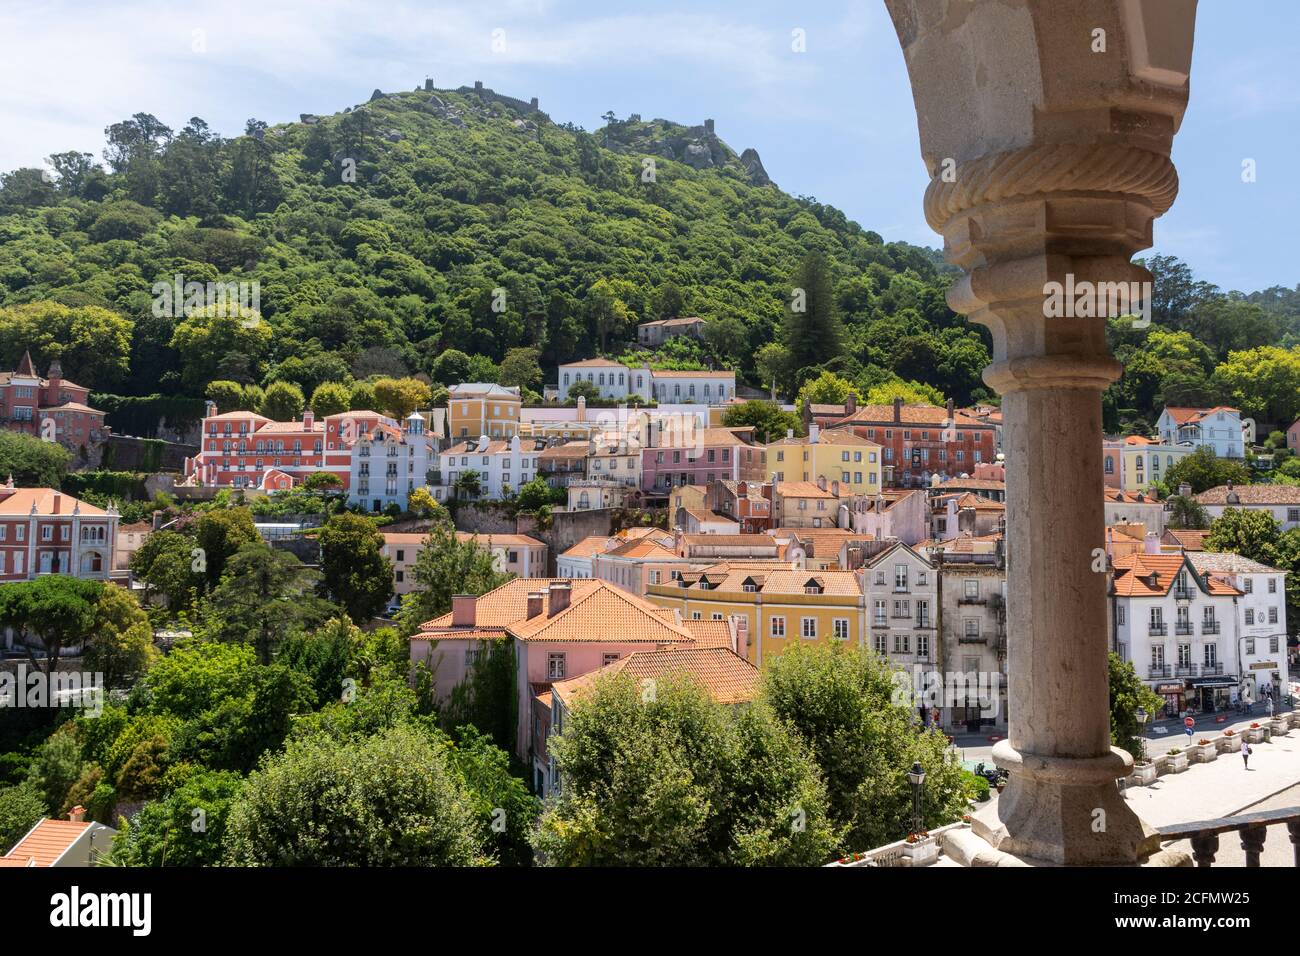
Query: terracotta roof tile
(728,679)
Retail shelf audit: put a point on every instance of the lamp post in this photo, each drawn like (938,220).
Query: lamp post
(916,776)
(1141,716)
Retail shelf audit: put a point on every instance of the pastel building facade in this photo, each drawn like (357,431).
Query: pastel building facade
(51,407)
(1218,428)
(43,531)
(833,454)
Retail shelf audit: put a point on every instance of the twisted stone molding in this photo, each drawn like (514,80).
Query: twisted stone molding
(1053,169)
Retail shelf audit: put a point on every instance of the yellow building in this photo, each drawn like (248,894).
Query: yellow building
(776,604)
(475,409)
(835,454)
(1145,463)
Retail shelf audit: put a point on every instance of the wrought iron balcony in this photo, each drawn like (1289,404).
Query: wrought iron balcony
(1210,627)
(1253,828)
(1157,670)
(1183,594)
(1185,629)
(1158,630)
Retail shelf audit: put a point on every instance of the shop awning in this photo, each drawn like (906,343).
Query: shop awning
(1214,682)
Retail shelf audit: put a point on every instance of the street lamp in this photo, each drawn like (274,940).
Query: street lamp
(1141,716)
(916,777)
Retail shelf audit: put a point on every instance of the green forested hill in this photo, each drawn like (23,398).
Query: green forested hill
(381,235)
(454,195)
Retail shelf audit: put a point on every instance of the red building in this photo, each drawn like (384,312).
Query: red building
(917,441)
(52,407)
(247,450)
(43,531)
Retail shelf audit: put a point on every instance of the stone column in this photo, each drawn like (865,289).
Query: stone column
(1047,128)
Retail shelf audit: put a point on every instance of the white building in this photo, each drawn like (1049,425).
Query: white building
(1179,628)
(1260,618)
(1219,429)
(388,464)
(613,379)
(1280,501)
(618,381)
(499,465)
(1123,507)
(698,387)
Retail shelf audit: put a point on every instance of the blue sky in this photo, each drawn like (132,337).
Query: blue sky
(835,121)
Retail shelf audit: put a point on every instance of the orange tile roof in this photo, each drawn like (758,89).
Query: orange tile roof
(643,548)
(909,415)
(729,540)
(1152,575)
(1188,540)
(45,843)
(802,489)
(593,363)
(777,580)
(1183,416)
(1115,496)
(597,611)
(588,546)
(21,500)
(493,540)
(727,678)
(693,373)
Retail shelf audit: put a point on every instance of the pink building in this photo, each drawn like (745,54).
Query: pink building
(560,629)
(43,531)
(1293,437)
(700,456)
(51,407)
(248,450)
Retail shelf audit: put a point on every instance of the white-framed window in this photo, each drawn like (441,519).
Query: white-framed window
(555,666)
(841,626)
(808,627)
(778,627)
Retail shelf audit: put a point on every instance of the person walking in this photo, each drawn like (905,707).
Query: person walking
(1268,703)
(1245,754)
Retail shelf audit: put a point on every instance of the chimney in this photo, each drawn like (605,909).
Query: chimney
(951,410)
(789,433)
(78,814)
(898,410)
(851,404)
(308,420)
(209,409)
(157,517)
(560,594)
(1184,490)
(821,482)
(58,502)
(814,433)
(536,600)
(55,374)
(462,610)
(1152,545)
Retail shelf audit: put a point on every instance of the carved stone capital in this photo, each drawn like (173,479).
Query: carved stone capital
(1059,170)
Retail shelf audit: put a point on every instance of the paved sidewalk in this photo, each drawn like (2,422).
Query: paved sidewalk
(1225,788)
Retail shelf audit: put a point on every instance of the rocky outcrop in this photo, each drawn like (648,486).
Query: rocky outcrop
(754,168)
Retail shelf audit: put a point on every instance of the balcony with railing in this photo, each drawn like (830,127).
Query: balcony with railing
(1209,627)
(1184,628)
(1183,594)
(1157,630)
(1252,828)
(1157,671)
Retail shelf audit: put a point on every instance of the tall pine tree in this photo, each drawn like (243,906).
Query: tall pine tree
(811,330)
